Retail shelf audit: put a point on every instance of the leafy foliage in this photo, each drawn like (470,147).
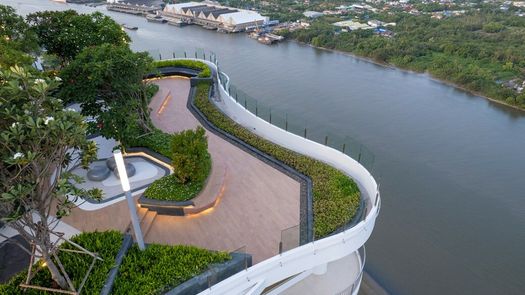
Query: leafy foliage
(107,81)
(37,135)
(40,139)
(478,51)
(191,164)
(190,158)
(16,40)
(156,140)
(67,33)
(106,244)
(168,188)
(335,196)
(205,71)
(160,268)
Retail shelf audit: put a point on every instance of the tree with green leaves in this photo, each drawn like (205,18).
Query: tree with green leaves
(17,42)
(107,81)
(190,159)
(67,33)
(39,140)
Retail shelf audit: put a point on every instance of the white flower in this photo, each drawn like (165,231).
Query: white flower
(18,155)
(70,110)
(48,119)
(37,81)
(58,79)
(14,125)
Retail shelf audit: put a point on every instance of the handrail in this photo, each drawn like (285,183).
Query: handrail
(316,253)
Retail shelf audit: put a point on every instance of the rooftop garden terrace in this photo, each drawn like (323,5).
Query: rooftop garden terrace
(107,81)
(336,197)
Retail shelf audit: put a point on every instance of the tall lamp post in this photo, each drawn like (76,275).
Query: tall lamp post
(124,181)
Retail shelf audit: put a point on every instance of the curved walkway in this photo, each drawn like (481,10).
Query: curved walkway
(258,202)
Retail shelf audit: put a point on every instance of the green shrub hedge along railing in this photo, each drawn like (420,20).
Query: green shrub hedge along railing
(159,268)
(336,197)
(105,244)
(191,64)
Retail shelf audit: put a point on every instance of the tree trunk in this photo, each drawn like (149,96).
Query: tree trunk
(56,275)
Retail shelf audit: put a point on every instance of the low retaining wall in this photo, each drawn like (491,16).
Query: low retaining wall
(306,211)
(217,273)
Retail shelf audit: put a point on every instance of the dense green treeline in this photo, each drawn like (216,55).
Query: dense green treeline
(480,51)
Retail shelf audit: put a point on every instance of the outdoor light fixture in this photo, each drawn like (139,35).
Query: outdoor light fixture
(124,181)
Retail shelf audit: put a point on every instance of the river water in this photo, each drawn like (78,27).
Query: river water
(450,164)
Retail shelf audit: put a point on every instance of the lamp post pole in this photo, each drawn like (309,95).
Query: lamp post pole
(124,181)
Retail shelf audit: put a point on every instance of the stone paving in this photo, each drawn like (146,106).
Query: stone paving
(258,202)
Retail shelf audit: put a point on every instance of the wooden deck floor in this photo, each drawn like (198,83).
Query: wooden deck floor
(259,201)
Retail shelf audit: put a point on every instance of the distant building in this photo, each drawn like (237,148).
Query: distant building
(352,25)
(312,14)
(214,16)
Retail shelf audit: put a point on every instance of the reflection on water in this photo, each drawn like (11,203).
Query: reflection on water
(450,164)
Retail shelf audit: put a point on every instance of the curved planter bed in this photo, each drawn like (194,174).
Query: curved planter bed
(207,198)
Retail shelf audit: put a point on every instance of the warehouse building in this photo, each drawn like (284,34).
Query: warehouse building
(214,16)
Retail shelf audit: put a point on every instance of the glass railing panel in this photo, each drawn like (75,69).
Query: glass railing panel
(290,238)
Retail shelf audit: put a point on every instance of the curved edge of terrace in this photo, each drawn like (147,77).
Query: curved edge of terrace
(314,254)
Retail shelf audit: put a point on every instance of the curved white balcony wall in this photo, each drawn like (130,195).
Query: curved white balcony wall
(320,252)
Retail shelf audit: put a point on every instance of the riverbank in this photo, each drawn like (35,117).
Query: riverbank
(429,75)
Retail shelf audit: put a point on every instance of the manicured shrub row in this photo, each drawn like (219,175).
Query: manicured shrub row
(191,64)
(106,244)
(335,196)
(168,188)
(160,268)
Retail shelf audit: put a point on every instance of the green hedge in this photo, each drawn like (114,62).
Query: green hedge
(160,268)
(205,71)
(336,197)
(106,244)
